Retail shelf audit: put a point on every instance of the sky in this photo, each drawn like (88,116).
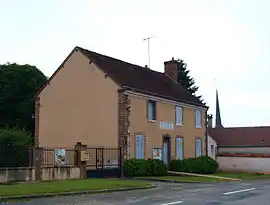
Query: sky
(225,43)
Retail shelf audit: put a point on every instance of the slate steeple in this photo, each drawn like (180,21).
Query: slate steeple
(218,116)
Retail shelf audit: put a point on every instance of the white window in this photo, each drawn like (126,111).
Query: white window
(179,148)
(139,147)
(151,110)
(198,147)
(198,117)
(178,115)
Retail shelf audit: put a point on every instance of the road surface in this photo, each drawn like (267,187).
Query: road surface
(225,193)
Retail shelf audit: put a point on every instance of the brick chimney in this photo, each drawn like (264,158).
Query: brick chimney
(170,69)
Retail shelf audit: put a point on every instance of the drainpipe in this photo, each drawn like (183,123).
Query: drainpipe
(206,132)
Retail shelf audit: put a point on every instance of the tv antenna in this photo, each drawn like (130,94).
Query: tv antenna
(148,42)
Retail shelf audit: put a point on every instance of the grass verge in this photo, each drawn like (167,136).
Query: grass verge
(244,176)
(183,178)
(57,187)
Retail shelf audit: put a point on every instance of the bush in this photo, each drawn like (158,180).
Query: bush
(157,167)
(199,165)
(14,147)
(142,167)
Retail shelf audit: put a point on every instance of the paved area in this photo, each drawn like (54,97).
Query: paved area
(229,193)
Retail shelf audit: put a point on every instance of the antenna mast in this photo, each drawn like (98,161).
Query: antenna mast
(148,42)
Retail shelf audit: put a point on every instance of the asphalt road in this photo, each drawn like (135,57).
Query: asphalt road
(229,193)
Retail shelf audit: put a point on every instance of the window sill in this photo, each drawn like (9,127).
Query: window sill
(152,121)
(198,127)
(179,124)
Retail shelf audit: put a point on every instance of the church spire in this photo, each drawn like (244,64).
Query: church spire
(218,116)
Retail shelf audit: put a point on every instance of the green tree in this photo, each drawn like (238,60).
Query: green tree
(18,87)
(186,80)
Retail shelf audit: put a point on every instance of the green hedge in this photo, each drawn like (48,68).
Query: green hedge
(199,165)
(142,167)
(15,147)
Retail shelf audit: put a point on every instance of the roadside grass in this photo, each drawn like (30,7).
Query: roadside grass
(244,176)
(56,187)
(183,178)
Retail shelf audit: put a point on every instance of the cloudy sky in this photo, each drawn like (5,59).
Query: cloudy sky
(226,40)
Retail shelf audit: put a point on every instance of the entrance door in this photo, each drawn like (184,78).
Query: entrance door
(166,155)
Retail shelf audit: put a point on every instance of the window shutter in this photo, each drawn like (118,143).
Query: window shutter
(198,147)
(142,147)
(150,110)
(179,148)
(138,147)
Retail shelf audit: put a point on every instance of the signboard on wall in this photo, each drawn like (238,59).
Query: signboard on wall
(85,156)
(157,153)
(60,157)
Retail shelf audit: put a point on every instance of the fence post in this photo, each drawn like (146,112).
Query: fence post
(38,158)
(102,158)
(121,160)
(81,164)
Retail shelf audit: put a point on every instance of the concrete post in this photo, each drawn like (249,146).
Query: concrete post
(81,164)
(38,159)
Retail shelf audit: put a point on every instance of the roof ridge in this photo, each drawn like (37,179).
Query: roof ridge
(122,61)
(266,126)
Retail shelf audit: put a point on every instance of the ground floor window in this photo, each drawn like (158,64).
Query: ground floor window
(179,147)
(140,146)
(198,147)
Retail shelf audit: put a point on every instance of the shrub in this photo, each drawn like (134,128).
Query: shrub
(158,168)
(14,147)
(142,167)
(199,165)
(211,163)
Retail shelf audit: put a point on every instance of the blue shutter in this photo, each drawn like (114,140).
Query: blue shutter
(139,147)
(142,147)
(150,110)
(179,148)
(178,115)
(198,147)
(165,153)
(198,116)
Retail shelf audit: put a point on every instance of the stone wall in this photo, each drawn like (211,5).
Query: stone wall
(20,174)
(244,164)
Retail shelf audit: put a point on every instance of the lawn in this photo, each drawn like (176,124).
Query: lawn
(57,187)
(244,176)
(184,178)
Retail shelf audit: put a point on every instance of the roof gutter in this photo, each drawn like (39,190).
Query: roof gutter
(162,96)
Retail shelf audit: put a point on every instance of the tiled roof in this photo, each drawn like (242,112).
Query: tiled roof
(241,136)
(141,79)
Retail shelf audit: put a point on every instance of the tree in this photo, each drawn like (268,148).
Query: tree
(186,80)
(18,87)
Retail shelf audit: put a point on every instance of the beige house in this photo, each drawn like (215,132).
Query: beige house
(102,101)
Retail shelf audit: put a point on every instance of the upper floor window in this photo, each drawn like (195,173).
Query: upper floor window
(178,115)
(198,117)
(151,110)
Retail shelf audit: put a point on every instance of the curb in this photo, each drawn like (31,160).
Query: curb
(36,196)
(164,180)
(181,182)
